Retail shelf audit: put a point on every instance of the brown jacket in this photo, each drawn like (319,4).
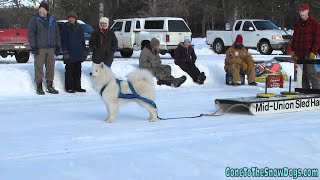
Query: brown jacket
(234,55)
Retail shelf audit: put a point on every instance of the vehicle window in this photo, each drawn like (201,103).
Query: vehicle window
(86,28)
(154,24)
(265,25)
(127,27)
(237,28)
(138,26)
(247,25)
(117,26)
(178,26)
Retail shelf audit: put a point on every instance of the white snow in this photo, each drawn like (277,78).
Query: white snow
(64,137)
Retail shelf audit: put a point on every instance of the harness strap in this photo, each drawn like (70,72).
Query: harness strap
(102,89)
(133,95)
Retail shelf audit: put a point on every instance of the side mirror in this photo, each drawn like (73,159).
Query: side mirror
(251,29)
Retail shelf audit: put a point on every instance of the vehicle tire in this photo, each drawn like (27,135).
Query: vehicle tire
(163,52)
(264,47)
(22,57)
(126,53)
(218,46)
(172,53)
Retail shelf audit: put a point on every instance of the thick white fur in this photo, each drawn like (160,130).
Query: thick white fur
(142,81)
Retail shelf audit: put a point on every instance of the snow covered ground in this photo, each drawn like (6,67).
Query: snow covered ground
(64,137)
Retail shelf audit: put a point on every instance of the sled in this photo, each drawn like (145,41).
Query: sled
(267,106)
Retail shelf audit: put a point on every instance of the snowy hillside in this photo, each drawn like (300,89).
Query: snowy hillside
(64,137)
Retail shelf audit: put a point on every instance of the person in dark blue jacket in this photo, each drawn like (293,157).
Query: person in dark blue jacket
(185,58)
(73,46)
(44,40)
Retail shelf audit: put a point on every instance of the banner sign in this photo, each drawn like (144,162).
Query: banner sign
(283,106)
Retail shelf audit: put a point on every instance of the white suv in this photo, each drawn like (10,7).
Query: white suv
(133,34)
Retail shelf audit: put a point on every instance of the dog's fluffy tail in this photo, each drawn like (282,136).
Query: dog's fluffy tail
(140,75)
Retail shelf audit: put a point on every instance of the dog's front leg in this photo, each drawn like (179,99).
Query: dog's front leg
(153,114)
(112,109)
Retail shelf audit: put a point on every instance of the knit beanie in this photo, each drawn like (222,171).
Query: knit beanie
(44,5)
(154,42)
(72,14)
(239,39)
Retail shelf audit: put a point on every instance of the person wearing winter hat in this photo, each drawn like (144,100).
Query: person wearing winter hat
(238,60)
(150,59)
(185,58)
(44,40)
(306,44)
(74,48)
(103,43)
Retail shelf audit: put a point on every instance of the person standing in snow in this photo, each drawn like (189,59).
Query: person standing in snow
(150,59)
(306,44)
(45,42)
(239,60)
(185,58)
(103,43)
(73,46)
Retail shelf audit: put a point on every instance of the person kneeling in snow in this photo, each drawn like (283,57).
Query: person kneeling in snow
(239,60)
(150,59)
(185,58)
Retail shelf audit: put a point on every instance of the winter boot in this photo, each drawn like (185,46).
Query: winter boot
(39,89)
(50,88)
(80,90)
(201,78)
(253,84)
(178,81)
(164,82)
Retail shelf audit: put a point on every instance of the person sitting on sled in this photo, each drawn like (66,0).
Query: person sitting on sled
(238,60)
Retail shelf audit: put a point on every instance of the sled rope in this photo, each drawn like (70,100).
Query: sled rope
(218,112)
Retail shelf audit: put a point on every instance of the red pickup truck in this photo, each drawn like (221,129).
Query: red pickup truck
(15,42)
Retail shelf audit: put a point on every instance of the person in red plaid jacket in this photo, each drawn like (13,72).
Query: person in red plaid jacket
(306,44)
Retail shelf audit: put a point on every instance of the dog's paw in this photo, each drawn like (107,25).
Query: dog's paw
(109,120)
(152,119)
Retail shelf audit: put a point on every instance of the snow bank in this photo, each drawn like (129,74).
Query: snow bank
(17,80)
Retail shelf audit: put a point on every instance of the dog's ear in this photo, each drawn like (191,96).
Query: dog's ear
(101,64)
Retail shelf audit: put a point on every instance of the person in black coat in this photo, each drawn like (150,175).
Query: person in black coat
(185,58)
(103,43)
(73,46)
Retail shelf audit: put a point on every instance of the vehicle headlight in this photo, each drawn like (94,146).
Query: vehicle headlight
(277,37)
(87,42)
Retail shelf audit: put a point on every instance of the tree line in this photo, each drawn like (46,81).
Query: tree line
(200,15)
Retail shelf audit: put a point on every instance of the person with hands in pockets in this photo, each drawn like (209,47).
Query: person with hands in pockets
(74,48)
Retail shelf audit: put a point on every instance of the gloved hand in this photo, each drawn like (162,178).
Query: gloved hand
(66,57)
(57,51)
(293,55)
(244,66)
(312,56)
(34,51)
(84,57)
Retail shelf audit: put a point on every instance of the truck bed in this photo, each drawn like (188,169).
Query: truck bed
(14,39)
(13,36)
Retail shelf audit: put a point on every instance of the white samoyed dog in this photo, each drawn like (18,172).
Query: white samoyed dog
(105,83)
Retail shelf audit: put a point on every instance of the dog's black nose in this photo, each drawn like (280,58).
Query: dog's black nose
(90,74)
